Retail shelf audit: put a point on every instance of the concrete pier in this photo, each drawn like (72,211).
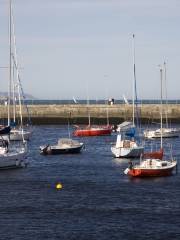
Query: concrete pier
(78,113)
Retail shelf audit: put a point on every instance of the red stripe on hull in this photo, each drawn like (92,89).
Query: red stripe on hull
(91,132)
(150,172)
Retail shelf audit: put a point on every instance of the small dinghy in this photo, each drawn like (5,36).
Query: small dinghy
(65,145)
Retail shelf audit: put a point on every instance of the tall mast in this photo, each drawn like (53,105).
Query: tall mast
(14,96)
(107,112)
(161,77)
(89,117)
(165,85)
(15,62)
(134,77)
(10,60)
(106,100)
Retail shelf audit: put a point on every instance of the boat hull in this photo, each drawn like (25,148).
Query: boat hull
(5,130)
(92,132)
(17,136)
(127,152)
(50,150)
(150,172)
(165,134)
(13,160)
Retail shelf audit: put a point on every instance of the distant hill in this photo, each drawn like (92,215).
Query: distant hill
(4,95)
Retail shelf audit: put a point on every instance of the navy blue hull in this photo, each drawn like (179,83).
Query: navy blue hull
(55,151)
(63,151)
(5,130)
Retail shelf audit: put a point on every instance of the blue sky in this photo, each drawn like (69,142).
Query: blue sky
(84,47)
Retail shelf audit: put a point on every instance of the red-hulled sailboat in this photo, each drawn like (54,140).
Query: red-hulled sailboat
(153,166)
(92,131)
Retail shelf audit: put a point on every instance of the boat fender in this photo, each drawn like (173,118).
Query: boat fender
(126,171)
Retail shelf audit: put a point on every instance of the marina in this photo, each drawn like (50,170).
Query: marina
(89,120)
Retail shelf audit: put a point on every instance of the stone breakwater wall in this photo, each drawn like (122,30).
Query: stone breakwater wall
(78,114)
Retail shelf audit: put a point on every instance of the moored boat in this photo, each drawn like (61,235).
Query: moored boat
(166,133)
(13,157)
(92,131)
(64,146)
(152,168)
(129,148)
(126,148)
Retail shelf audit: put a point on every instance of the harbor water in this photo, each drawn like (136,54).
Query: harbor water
(96,201)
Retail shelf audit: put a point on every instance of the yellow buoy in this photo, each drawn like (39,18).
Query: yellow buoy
(58,186)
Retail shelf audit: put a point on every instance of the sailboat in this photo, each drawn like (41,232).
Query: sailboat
(129,148)
(92,130)
(17,133)
(12,156)
(152,167)
(167,132)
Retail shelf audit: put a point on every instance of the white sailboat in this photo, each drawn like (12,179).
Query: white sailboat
(17,133)
(167,132)
(126,148)
(12,156)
